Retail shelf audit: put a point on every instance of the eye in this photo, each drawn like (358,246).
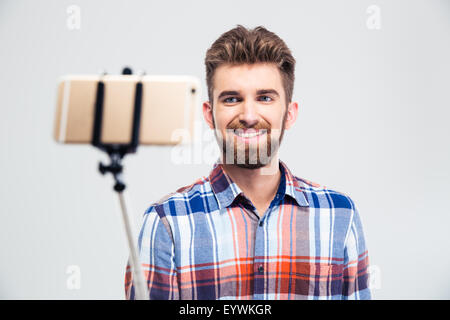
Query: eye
(226,100)
(267,97)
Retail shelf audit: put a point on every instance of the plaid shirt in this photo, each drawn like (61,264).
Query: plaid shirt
(206,241)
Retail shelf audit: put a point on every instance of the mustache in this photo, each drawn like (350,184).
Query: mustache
(246,128)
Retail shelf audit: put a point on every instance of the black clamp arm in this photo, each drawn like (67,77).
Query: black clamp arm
(116,152)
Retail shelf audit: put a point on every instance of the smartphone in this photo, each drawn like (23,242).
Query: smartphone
(168,108)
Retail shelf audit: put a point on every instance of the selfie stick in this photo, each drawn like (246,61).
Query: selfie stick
(116,154)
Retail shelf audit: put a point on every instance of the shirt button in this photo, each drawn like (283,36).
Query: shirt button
(260,223)
(260,268)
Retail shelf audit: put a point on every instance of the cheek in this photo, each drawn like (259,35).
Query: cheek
(220,126)
(223,119)
(275,120)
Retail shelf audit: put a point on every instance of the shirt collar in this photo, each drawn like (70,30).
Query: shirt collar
(226,190)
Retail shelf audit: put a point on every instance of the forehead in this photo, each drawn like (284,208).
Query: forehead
(247,77)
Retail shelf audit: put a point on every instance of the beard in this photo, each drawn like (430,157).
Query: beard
(253,154)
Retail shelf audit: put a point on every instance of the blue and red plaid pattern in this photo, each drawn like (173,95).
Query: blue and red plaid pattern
(206,241)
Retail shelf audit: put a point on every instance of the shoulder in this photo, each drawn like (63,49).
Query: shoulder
(181,200)
(323,196)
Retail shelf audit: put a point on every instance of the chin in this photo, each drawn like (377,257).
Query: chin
(247,165)
(250,166)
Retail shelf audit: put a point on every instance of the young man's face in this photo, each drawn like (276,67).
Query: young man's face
(249,113)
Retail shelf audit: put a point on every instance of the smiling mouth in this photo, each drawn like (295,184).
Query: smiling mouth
(249,133)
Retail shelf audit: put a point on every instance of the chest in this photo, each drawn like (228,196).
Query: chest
(291,251)
(238,234)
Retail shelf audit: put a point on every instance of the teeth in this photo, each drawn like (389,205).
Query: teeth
(240,133)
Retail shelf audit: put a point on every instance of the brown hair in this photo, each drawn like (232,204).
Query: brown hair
(247,46)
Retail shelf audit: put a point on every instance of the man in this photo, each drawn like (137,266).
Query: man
(251,229)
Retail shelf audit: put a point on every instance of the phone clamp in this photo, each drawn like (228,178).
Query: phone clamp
(116,151)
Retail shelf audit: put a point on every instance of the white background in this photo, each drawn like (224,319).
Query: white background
(374,108)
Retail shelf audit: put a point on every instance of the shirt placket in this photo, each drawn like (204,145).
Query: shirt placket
(260,262)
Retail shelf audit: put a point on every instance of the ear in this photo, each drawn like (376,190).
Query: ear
(292,113)
(208,114)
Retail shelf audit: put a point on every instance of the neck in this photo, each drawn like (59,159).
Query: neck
(260,185)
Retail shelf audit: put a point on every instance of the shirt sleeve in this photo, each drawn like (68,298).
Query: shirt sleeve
(157,256)
(356,262)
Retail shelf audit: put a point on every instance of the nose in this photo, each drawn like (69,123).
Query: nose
(248,116)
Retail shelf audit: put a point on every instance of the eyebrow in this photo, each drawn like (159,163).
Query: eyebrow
(236,93)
